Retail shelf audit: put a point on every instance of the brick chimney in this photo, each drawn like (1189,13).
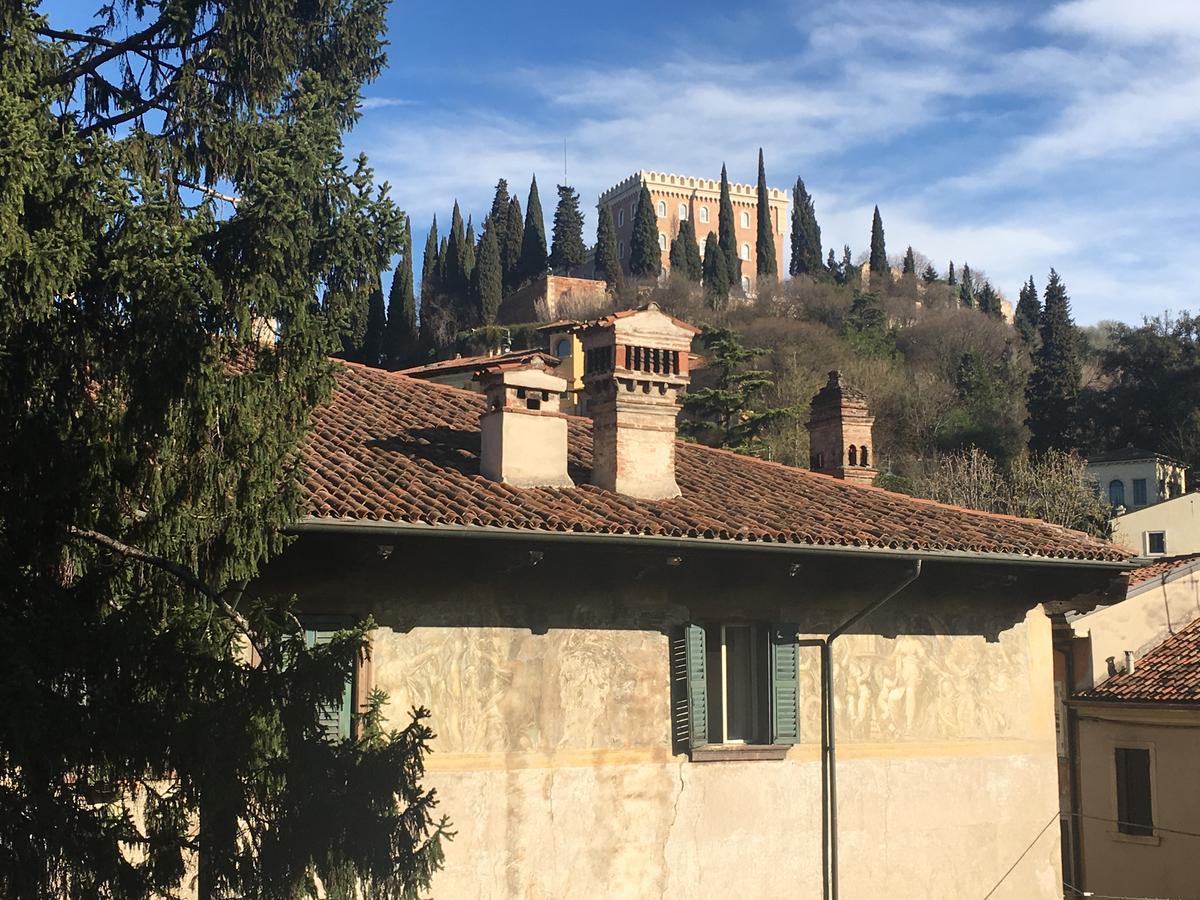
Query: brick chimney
(523,436)
(635,365)
(839,432)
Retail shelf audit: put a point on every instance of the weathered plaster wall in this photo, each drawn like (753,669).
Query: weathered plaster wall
(549,686)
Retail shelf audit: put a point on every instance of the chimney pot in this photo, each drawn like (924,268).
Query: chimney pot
(522,434)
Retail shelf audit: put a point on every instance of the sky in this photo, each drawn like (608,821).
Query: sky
(1009,136)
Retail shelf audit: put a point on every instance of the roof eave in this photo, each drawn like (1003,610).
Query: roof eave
(311,524)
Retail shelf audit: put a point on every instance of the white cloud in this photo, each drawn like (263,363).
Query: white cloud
(1123,21)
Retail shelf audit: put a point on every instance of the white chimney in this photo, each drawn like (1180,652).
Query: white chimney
(635,365)
(1129,662)
(523,436)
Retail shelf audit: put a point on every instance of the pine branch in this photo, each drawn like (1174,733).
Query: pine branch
(114,49)
(183,573)
(231,199)
(121,118)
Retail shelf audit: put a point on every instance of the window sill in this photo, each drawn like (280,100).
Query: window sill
(739,752)
(1150,840)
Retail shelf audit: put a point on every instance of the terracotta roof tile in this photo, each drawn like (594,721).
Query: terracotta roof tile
(1161,567)
(1170,673)
(387,447)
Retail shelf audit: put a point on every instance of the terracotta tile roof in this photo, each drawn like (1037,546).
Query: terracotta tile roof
(1170,673)
(396,449)
(1160,568)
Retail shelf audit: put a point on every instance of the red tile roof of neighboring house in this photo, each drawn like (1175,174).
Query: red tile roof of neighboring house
(1170,673)
(389,448)
(1160,568)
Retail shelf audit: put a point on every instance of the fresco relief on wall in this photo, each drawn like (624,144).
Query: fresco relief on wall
(923,686)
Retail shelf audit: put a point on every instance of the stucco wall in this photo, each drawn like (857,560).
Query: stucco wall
(1179,518)
(549,686)
(1162,865)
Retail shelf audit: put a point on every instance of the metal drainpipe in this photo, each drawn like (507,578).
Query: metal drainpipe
(829,734)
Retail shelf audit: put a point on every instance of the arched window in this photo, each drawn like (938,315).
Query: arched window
(745,284)
(620,217)
(746,252)
(704,214)
(621,250)
(662,241)
(563,348)
(862,455)
(682,212)
(745,219)
(701,243)
(1116,492)
(662,207)
(852,455)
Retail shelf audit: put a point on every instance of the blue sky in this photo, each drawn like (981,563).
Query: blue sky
(1011,136)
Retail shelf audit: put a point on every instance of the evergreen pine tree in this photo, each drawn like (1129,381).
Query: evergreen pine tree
(488,281)
(499,214)
(372,344)
(1053,392)
(161,727)
(929,275)
(831,266)
(454,272)
(608,266)
(849,269)
(806,235)
(988,301)
(469,251)
(767,266)
(727,233)
(1028,312)
(678,259)
(645,254)
(881,272)
(716,272)
(533,244)
(950,279)
(431,287)
(694,268)
(510,249)
(354,334)
(567,249)
(966,290)
(400,336)
(910,263)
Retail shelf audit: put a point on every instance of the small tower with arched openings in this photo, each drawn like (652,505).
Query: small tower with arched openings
(839,432)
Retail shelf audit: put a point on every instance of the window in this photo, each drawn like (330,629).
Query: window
(632,211)
(1156,543)
(852,455)
(662,207)
(662,241)
(563,348)
(682,212)
(742,684)
(1139,492)
(862,455)
(745,219)
(620,217)
(704,214)
(621,250)
(1134,801)
(745,252)
(1116,492)
(745,284)
(336,719)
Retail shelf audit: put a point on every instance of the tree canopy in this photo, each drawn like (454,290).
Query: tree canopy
(767,267)
(532,263)
(181,244)
(806,235)
(1053,391)
(567,250)
(645,254)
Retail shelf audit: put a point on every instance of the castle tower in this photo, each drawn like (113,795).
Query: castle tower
(839,432)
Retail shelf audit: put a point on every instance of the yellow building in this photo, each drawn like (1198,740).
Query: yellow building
(680,197)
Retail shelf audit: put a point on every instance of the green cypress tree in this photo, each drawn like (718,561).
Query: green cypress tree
(849,269)
(966,290)
(469,251)
(1028,312)
(678,258)
(533,244)
(372,343)
(831,266)
(510,249)
(910,263)
(806,236)
(431,287)
(716,272)
(929,275)
(499,214)
(950,279)
(881,272)
(567,249)
(153,431)
(645,254)
(691,251)
(488,281)
(454,263)
(608,266)
(1052,396)
(988,301)
(400,337)
(727,233)
(767,266)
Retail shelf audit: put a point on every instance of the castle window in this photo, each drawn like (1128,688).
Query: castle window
(746,284)
(682,212)
(852,456)
(704,214)
(620,217)
(662,241)
(621,250)
(745,219)
(662,207)
(746,252)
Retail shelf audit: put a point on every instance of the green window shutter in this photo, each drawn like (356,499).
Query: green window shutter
(785,685)
(334,719)
(697,685)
